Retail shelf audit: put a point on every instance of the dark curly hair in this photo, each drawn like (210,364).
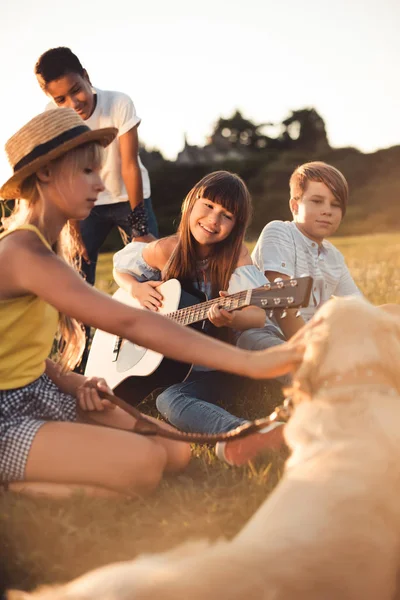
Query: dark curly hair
(56,63)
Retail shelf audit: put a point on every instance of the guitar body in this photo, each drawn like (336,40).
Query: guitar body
(132,370)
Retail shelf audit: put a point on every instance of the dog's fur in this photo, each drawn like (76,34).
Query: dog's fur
(331,528)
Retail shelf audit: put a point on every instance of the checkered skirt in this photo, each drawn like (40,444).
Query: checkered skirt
(22,412)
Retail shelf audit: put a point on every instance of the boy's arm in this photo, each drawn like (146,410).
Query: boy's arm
(274,256)
(130,171)
(289,324)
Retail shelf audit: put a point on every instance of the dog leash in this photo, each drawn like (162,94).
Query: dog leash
(145,426)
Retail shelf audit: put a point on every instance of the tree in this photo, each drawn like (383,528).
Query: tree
(238,132)
(305,130)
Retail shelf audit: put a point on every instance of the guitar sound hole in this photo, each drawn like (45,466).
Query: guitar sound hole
(129,355)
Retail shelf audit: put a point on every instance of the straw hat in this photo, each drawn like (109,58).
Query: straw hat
(46,137)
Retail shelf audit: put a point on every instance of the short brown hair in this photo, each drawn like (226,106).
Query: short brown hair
(324,173)
(55,63)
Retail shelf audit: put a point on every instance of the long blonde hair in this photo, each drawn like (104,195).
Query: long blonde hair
(230,191)
(70,338)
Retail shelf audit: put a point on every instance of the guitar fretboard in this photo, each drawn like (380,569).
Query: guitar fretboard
(198,312)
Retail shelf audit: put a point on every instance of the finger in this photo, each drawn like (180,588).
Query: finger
(88,399)
(104,387)
(96,400)
(155,298)
(150,306)
(223,293)
(154,285)
(83,400)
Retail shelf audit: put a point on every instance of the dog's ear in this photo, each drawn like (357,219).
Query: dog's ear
(306,376)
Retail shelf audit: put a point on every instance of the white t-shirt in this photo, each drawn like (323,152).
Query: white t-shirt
(282,247)
(114,109)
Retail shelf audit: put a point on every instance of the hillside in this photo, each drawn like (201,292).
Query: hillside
(374,181)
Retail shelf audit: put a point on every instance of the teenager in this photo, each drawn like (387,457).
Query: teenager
(57,161)
(125,202)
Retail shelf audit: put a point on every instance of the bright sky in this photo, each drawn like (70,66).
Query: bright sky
(186,63)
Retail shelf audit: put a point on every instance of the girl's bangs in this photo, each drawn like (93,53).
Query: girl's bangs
(226,195)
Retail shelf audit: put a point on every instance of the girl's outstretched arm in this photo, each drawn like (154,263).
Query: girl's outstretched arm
(34,269)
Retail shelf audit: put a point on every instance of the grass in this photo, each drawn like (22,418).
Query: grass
(47,542)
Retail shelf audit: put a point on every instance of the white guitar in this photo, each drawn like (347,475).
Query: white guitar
(116,359)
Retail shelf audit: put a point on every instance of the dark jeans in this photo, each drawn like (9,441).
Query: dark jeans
(102,219)
(94,230)
(194,405)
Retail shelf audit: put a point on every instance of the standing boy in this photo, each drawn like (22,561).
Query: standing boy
(126,201)
(318,202)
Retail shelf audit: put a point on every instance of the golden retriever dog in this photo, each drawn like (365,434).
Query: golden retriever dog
(331,528)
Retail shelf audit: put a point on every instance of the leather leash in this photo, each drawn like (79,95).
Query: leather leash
(145,426)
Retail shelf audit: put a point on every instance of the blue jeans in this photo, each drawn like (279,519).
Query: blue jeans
(194,404)
(96,227)
(262,338)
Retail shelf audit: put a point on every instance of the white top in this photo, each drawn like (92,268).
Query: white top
(114,109)
(130,260)
(282,247)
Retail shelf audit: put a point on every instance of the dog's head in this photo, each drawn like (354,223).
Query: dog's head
(349,341)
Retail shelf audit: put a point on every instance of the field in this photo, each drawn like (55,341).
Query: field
(45,542)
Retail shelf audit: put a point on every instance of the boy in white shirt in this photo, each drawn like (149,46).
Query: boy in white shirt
(318,202)
(126,202)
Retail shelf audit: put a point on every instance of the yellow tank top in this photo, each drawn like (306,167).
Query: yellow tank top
(27,328)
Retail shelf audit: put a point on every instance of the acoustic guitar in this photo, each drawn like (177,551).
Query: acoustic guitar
(117,359)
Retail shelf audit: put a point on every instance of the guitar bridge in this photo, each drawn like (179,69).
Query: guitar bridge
(116,349)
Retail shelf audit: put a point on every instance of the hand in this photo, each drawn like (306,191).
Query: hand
(88,395)
(146,239)
(276,361)
(219,316)
(148,295)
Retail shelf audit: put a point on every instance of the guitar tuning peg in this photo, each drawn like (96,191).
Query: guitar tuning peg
(284,313)
(271,314)
(279,282)
(298,314)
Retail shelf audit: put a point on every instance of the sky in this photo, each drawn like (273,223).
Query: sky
(187,63)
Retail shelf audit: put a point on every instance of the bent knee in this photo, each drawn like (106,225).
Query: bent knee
(248,339)
(179,455)
(166,400)
(143,476)
(258,339)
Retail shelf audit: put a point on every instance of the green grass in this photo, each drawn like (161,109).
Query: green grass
(45,542)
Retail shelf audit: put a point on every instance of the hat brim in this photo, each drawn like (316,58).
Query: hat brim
(12,187)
